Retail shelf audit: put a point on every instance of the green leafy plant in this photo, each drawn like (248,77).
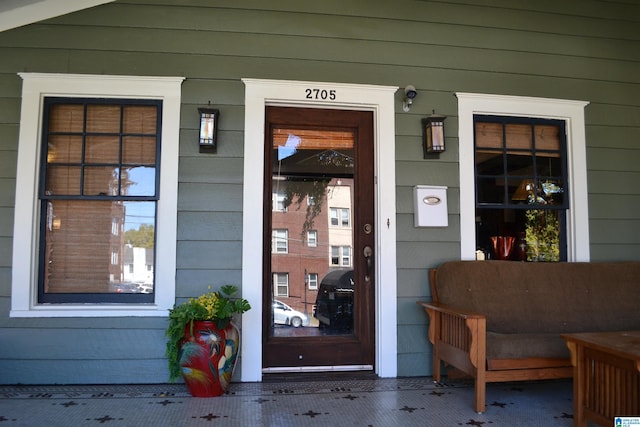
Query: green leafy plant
(215,306)
(542,235)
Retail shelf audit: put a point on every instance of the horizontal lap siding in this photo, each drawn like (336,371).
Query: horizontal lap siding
(585,50)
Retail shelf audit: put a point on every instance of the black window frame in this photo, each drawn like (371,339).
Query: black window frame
(507,203)
(43,198)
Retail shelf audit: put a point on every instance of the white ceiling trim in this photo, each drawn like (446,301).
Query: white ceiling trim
(16,13)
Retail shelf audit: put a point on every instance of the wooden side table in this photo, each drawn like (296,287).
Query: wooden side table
(606,376)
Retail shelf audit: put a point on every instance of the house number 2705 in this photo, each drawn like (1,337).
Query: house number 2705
(320,94)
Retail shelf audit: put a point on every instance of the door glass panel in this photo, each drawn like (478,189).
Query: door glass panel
(312,235)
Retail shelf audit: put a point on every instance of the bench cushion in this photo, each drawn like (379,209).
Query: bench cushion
(544,298)
(522,346)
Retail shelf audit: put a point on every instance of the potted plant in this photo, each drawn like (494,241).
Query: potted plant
(203,342)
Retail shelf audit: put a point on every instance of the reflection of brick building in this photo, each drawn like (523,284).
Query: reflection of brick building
(302,243)
(76,244)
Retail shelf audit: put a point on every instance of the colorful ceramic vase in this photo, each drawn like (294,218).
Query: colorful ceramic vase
(208,357)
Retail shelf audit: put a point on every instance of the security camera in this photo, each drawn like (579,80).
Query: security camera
(410,91)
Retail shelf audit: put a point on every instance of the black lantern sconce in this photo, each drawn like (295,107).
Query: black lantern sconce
(433,127)
(208,129)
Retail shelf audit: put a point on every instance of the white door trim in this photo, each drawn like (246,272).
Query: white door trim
(379,100)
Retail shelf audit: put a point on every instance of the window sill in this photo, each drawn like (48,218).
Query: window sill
(90,310)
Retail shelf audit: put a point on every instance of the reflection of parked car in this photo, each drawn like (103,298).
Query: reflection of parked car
(128,288)
(334,303)
(285,315)
(145,289)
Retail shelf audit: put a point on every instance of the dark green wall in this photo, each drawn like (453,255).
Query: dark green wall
(575,49)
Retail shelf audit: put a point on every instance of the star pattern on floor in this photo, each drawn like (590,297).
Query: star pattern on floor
(371,402)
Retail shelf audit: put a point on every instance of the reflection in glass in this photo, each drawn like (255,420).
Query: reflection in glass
(99,246)
(138,181)
(312,235)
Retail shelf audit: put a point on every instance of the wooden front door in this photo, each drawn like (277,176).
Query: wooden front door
(318,274)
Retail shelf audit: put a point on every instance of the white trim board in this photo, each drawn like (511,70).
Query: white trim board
(35,87)
(572,112)
(380,100)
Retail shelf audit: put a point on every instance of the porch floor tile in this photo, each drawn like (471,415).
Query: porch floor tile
(361,402)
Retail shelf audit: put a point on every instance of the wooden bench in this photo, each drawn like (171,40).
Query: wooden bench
(501,321)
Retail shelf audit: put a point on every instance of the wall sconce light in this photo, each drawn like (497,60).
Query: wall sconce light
(409,93)
(433,127)
(208,129)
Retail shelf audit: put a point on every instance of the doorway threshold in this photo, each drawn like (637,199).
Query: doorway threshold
(340,368)
(319,373)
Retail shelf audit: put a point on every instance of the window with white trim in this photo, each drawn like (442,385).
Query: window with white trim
(280,241)
(102,171)
(346,256)
(279,200)
(572,114)
(341,255)
(339,217)
(312,238)
(281,284)
(313,281)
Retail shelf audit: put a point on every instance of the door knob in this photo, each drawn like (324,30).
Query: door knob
(368,257)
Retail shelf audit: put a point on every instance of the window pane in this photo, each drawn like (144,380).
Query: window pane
(64,149)
(552,192)
(334,216)
(100,181)
(140,119)
(346,256)
(519,136)
(542,235)
(520,164)
(139,150)
(489,135)
(335,255)
(63,180)
(98,247)
(138,181)
(103,118)
(523,191)
(488,192)
(548,137)
(345,217)
(66,118)
(489,162)
(102,149)
(550,165)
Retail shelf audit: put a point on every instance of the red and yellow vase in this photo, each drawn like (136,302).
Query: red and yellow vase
(208,357)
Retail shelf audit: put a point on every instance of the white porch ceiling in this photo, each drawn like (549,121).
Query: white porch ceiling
(16,13)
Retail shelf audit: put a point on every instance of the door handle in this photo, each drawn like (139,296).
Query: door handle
(368,257)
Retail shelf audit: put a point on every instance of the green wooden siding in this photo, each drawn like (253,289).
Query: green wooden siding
(576,49)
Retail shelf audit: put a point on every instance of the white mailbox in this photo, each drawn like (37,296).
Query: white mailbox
(430,206)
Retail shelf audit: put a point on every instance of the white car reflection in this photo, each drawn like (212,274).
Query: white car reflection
(285,315)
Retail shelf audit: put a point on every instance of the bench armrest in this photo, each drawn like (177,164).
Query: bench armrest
(450,310)
(459,330)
